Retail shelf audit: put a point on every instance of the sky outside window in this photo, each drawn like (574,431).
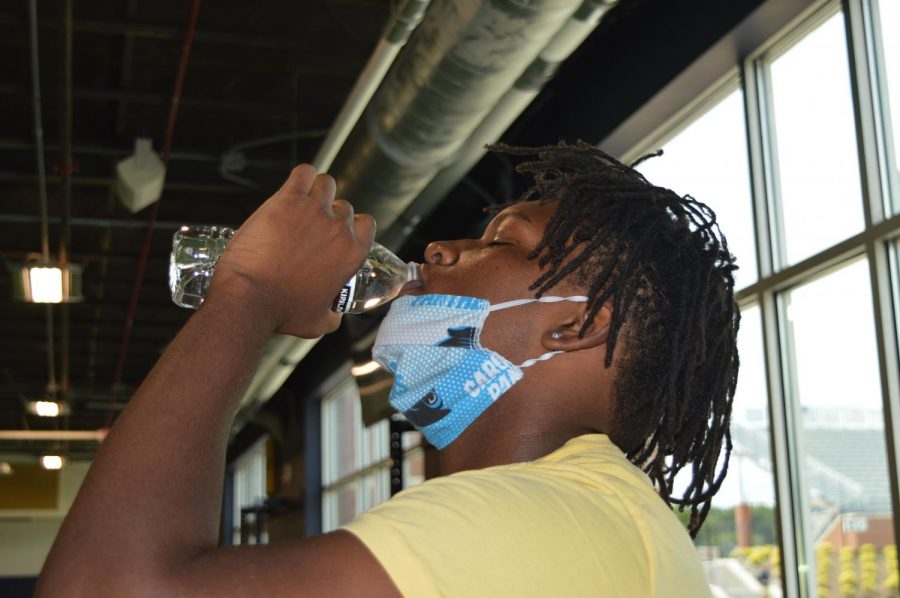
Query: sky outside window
(815,143)
(708,160)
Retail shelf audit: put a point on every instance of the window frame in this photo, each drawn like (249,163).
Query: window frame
(878,242)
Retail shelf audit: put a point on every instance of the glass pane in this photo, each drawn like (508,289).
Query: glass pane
(374,442)
(888,11)
(815,144)
(341,431)
(832,370)
(413,468)
(708,160)
(375,488)
(738,541)
(339,505)
(411,439)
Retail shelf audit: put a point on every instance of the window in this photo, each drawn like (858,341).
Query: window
(816,184)
(708,160)
(413,459)
(832,370)
(355,463)
(740,530)
(813,347)
(249,490)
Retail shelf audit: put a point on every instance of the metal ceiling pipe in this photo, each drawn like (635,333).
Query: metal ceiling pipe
(66,168)
(44,435)
(504,113)
(462,59)
(42,185)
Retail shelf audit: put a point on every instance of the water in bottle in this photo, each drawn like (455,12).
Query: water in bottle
(196,251)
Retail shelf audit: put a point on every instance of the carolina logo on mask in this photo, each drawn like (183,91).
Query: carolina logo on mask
(426,410)
(461,336)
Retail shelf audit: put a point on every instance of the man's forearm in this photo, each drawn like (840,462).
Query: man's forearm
(153,493)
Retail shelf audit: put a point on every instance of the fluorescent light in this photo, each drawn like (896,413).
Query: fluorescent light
(46,284)
(52,462)
(48,408)
(364,369)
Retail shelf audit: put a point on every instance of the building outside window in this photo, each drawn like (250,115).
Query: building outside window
(796,153)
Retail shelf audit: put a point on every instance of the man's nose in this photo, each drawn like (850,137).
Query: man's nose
(442,253)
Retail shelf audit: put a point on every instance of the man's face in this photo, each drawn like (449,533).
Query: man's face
(496,265)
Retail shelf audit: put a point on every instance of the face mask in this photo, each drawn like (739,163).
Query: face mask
(443,378)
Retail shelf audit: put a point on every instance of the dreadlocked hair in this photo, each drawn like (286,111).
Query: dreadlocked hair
(661,263)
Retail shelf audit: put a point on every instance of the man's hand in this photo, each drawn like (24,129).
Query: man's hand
(146,520)
(294,253)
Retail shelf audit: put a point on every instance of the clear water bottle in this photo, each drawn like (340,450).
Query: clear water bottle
(196,250)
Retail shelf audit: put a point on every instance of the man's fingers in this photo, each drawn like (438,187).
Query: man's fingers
(365,227)
(342,209)
(300,180)
(323,189)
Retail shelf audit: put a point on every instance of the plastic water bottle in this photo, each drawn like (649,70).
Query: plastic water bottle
(196,250)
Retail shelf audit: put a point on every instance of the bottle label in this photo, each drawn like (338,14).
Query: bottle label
(344,299)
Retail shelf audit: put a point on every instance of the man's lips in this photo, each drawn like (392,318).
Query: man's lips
(413,287)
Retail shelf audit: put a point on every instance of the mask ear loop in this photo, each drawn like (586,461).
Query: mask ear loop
(546,299)
(530,362)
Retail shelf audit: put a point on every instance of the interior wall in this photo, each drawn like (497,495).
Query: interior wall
(28,535)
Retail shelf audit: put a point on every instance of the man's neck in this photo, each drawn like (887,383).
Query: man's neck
(499,438)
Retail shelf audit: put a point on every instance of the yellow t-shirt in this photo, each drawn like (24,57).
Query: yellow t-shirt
(582,521)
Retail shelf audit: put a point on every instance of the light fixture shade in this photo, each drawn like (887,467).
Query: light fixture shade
(47,282)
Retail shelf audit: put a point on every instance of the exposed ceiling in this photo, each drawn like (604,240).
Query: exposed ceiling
(283,67)
(286,67)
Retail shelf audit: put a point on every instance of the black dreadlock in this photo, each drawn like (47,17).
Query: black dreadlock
(663,265)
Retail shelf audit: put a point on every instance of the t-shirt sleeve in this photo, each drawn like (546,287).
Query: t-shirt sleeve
(416,535)
(392,549)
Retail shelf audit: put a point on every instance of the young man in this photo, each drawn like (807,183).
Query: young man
(629,356)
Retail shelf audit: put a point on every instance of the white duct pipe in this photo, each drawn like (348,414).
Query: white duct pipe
(363,90)
(369,80)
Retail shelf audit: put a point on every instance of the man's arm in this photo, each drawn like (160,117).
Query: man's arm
(146,518)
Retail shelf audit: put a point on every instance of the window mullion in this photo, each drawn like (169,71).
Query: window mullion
(888,358)
(864,108)
(768,172)
(786,500)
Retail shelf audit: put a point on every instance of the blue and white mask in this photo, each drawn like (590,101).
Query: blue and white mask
(443,378)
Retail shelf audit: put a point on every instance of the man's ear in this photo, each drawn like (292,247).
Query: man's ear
(564,336)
